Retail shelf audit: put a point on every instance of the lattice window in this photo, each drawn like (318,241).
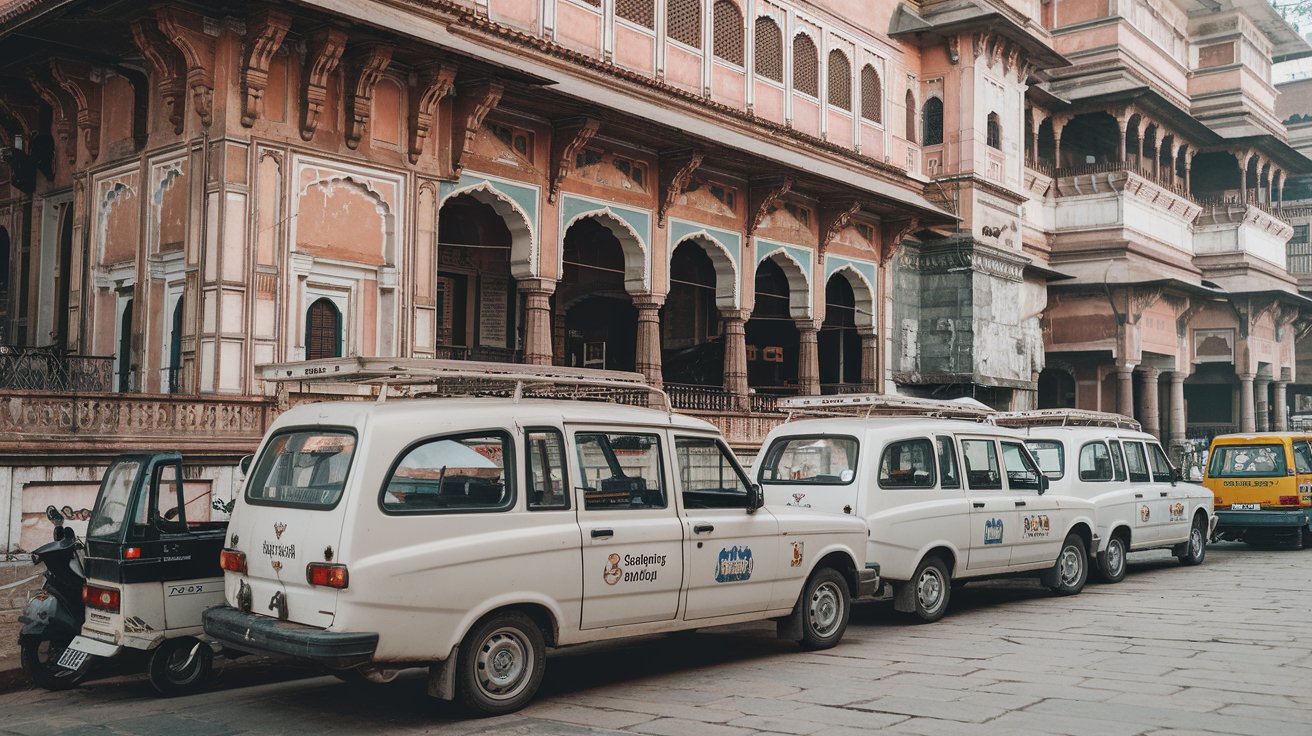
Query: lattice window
(323,330)
(872,95)
(806,65)
(933,121)
(728,30)
(911,117)
(642,12)
(594,3)
(769,50)
(994,136)
(683,22)
(840,80)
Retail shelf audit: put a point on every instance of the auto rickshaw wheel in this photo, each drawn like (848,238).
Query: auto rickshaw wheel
(39,657)
(180,666)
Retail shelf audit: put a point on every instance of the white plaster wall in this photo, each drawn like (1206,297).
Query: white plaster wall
(1240,238)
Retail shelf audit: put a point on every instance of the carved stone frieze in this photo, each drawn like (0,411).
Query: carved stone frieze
(124,416)
(965,254)
(434,83)
(264,36)
(567,139)
(676,173)
(367,68)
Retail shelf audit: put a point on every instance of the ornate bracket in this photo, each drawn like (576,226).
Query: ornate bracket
(568,138)
(264,36)
(24,115)
(1140,300)
(676,172)
(65,113)
(473,103)
(326,47)
(367,67)
(435,82)
(185,31)
(892,234)
(833,221)
(764,199)
(75,78)
(168,69)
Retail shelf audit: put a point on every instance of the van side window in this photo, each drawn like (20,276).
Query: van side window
(1022,473)
(802,460)
(947,463)
(981,458)
(1302,457)
(170,514)
(1095,463)
(1050,455)
(1118,460)
(907,464)
(708,477)
(457,473)
(1161,466)
(620,470)
(1135,462)
(548,487)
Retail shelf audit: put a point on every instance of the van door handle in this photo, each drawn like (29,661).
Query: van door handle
(978,504)
(1164,494)
(1138,495)
(602,533)
(1020,503)
(703,528)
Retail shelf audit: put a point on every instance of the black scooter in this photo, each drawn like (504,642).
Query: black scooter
(54,616)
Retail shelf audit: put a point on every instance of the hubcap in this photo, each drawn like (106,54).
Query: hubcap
(929,589)
(503,663)
(1115,557)
(1196,542)
(1070,566)
(826,609)
(180,661)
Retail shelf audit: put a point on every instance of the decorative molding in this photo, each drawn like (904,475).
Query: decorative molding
(65,113)
(264,36)
(185,30)
(367,67)
(434,83)
(676,173)
(325,53)
(892,235)
(763,198)
(567,139)
(473,102)
(832,221)
(75,78)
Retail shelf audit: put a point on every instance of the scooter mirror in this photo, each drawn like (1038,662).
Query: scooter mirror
(53,515)
(69,534)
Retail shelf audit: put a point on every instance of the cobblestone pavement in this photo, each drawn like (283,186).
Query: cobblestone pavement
(1223,648)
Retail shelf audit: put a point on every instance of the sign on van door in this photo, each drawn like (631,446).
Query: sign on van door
(632,536)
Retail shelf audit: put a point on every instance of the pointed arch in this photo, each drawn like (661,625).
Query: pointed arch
(523,245)
(862,289)
(932,120)
(631,243)
(806,66)
(726,269)
(872,95)
(727,27)
(911,117)
(799,284)
(769,40)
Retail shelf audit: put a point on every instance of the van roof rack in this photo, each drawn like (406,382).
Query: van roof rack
(434,377)
(881,405)
(1066,418)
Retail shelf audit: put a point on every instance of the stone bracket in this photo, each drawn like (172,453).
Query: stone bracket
(186,31)
(367,68)
(75,78)
(65,113)
(762,199)
(676,173)
(567,139)
(473,103)
(325,53)
(265,33)
(892,235)
(434,83)
(833,221)
(167,65)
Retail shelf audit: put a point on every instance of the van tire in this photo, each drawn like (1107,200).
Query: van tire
(1195,550)
(1071,570)
(826,606)
(930,589)
(1111,564)
(180,666)
(501,664)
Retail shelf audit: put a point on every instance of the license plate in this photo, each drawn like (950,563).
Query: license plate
(72,659)
(1245,507)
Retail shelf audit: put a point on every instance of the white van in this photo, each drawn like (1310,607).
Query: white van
(1140,501)
(947,500)
(469,534)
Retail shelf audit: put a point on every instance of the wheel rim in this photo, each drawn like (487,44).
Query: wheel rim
(1115,557)
(826,609)
(503,663)
(182,662)
(1070,566)
(929,589)
(1196,543)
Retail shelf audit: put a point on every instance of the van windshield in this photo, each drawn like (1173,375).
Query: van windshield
(305,468)
(810,460)
(1247,461)
(111,511)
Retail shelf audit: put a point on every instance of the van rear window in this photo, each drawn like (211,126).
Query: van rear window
(810,461)
(305,468)
(1247,461)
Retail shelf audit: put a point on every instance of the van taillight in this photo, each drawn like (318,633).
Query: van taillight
(106,599)
(132,553)
(233,561)
(326,575)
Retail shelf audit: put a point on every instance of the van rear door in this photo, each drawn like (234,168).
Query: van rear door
(815,471)
(1252,475)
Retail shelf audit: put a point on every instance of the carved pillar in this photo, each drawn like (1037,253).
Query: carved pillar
(1261,389)
(537,319)
(1247,420)
(870,358)
(735,355)
(1188,171)
(1243,177)
(808,358)
(1125,390)
(1149,410)
(1121,150)
(1177,408)
(1281,423)
(648,358)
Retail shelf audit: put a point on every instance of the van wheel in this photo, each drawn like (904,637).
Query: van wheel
(826,607)
(931,589)
(1072,568)
(1195,550)
(180,666)
(1111,564)
(501,664)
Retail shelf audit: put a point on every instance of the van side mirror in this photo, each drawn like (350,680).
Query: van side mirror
(754,498)
(1044,484)
(245,464)
(1177,475)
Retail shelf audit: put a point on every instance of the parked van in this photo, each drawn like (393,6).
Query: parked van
(947,499)
(470,534)
(1140,500)
(1263,487)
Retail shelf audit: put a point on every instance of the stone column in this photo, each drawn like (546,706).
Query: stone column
(1247,421)
(648,358)
(735,355)
(1125,390)
(870,359)
(808,358)
(537,320)
(1178,417)
(1261,389)
(1148,404)
(1281,423)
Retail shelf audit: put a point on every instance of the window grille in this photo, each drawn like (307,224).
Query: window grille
(323,330)
(933,134)
(872,94)
(911,117)
(806,65)
(642,12)
(728,30)
(840,80)
(683,22)
(994,135)
(769,50)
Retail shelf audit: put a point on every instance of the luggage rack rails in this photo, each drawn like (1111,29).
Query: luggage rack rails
(1066,418)
(867,406)
(437,378)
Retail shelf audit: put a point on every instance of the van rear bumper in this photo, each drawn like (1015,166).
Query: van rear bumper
(1227,520)
(258,634)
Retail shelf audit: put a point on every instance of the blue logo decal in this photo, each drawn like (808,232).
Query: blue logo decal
(993,531)
(735,564)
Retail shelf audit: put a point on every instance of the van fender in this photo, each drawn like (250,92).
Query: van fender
(510,600)
(789,628)
(904,572)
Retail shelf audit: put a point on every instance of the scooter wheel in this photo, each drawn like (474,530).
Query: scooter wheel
(180,666)
(39,657)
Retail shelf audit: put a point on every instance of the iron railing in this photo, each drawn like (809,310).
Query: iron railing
(49,369)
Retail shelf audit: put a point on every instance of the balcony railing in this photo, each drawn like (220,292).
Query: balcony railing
(700,398)
(1174,186)
(47,369)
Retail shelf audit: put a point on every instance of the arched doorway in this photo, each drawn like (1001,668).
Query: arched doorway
(692,346)
(596,323)
(839,341)
(477,303)
(1056,389)
(323,330)
(773,341)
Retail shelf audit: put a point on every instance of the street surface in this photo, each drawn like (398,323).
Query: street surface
(1223,648)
